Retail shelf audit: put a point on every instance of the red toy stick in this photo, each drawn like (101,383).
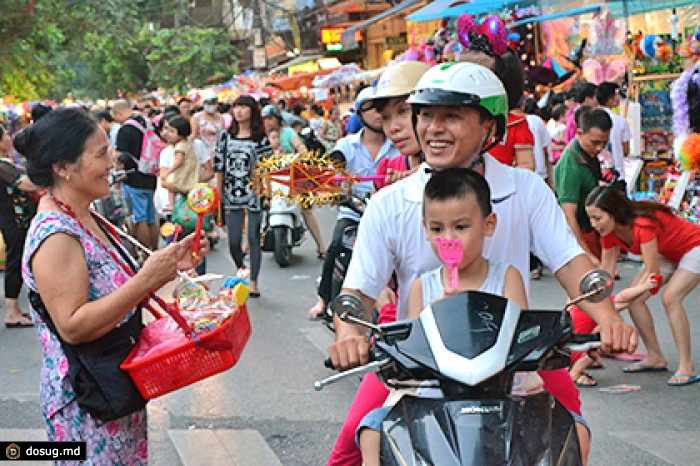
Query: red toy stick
(658,280)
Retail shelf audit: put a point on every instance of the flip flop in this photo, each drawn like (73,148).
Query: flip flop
(692,378)
(637,367)
(19,324)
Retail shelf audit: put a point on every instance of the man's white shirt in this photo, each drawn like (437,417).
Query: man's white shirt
(619,134)
(542,140)
(391,235)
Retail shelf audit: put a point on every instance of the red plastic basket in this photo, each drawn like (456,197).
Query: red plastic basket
(184,365)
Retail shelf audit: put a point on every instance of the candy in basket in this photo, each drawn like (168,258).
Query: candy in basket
(201,336)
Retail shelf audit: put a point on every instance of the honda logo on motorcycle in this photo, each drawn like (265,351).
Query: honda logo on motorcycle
(478,409)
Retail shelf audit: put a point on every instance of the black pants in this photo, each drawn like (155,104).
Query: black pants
(14,244)
(234,223)
(336,246)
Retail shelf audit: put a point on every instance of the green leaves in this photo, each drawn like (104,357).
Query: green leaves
(95,48)
(188,56)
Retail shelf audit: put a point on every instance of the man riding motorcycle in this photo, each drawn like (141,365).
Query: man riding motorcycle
(460,112)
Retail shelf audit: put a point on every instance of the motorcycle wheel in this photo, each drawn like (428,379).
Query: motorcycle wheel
(283,250)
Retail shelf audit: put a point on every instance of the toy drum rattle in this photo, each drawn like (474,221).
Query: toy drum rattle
(203,199)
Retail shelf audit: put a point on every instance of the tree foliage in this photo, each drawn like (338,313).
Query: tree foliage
(99,48)
(187,56)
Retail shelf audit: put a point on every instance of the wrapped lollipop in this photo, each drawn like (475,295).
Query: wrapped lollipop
(203,199)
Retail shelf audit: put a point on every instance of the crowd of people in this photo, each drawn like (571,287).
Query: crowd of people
(55,170)
(524,183)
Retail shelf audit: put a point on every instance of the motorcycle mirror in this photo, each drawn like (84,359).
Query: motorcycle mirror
(596,285)
(348,305)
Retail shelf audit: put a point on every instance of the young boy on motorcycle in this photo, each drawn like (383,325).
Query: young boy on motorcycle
(456,205)
(460,112)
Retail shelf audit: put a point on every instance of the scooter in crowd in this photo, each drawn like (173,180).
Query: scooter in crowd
(283,229)
(311,142)
(470,345)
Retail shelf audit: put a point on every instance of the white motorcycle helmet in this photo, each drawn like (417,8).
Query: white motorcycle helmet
(365,95)
(464,84)
(363,104)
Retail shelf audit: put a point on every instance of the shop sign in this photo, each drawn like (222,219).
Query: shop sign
(259,58)
(396,40)
(334,35)
(423,30)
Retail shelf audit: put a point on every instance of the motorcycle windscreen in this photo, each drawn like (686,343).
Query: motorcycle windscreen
(532,430)
(470,334)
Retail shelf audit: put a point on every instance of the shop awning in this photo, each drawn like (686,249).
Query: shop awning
(295,61)
(618,8)
(349,42)
(474,8)
(561,14)
(624,8)
(435,7)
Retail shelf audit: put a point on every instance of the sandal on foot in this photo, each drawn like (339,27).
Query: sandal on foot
(321,255)
(637,367)
(679,380)
(23,322)
(585,380)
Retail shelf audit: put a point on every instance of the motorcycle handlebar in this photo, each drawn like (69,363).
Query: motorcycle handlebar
(583,342)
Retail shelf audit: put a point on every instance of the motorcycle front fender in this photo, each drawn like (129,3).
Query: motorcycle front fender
(284,220)
(516,431)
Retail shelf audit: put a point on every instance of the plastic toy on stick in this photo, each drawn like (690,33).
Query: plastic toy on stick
(451,253)
(309,179)
(203,199)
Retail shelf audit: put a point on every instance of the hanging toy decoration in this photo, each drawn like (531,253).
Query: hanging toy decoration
(689,153)
(685,99)
(203,199)
(595,72)
(465,25)
(648,46)
(494,28)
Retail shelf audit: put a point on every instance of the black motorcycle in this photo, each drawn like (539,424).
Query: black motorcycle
(349,235)
(470,345)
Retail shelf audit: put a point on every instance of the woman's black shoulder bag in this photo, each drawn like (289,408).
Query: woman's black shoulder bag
(101,387)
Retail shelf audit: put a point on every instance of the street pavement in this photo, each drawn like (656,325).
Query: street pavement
(265,411)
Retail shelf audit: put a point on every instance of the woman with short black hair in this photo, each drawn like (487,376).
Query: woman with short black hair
(86,289)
